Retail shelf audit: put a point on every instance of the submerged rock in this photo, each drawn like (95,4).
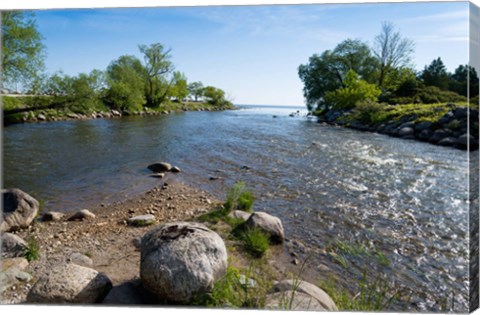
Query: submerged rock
(181,261)
(160,167)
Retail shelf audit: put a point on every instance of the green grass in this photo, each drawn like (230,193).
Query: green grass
(343,251)
(239,198)
(255,241)
(31,253)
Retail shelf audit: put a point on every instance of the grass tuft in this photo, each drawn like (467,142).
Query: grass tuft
(32,251)
(239,198)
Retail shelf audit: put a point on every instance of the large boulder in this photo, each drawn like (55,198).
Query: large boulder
(160,167)
(13,246)
(70,283)
(181,261)
(269,224)
(19,210)
(302,289)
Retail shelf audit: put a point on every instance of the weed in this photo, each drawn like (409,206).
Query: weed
(255,241)
(239,198)
(31,253)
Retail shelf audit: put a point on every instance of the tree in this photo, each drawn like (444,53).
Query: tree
(126,84)
(435,74)
(215,96)
(23,51)
(391,50)
(463,80)
(355,90)
(195,90)
(327,72)
(157,66)
(179,89)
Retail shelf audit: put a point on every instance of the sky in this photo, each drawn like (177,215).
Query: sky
(251,52)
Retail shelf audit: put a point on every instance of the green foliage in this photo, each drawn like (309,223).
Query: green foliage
(371,295)
(179,90)
(9,102)
(22,48)
(343,251)
(125,77)
(464,80)
(255,241)
(239,198)
(355,90)
(31,253)
(435,74)
(432,95)
(369,112)
(195,90)
(228,291)
(327,72)
(214,96)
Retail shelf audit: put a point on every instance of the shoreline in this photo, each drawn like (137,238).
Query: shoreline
(109,241)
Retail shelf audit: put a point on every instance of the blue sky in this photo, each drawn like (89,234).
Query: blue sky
(252,52)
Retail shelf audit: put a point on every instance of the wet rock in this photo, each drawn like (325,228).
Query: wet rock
(239,214)
(82,215)
(321,300)
(460,112)
(425,135)
(175,169)
(13,246)
(52,216)
(160,167)
(80,259)
(405,131)
(423,126)
(70,283)
(41,117)
(446,118)
(158,175)
(19,210)
(447,142)
(116,113)
(439,135)
(181,260)
(463,140)
(269,224)
(142,220)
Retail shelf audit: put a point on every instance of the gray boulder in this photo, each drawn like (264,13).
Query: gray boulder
(423,126)
(175,169)
(405,131)
(439,135)
(447,142)
(463,140)
(303,287)
(52,216)
(13,246)
(160,167)
(128,293)
(181,261)
(80,259)
(239,214)
(19,210)
(12,272)
(70,283)
(269,224)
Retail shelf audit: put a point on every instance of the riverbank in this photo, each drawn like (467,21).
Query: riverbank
(26,110)
(107,243)
(440,124)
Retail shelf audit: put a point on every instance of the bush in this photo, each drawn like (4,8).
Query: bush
(355,90)
(255,241)
(239,198)
(432,95)
(370,112)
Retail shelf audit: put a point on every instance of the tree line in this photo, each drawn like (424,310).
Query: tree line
(128,83)
(355,72)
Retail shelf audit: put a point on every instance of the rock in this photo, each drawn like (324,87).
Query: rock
(239,214)
(463,140)
(142,220)
(80,259)
(19,210)
(53,216)
(181,260)
(17,262)
(423,126)
(82,215)
(460,112)
(406,131)
(130,293)
(438,135)
(13,246)
(70,283)
(175,169)
(425,135)
(137,242)
(158,175)
(447,142)
(160,167)
(268,223)
(214,178)
(247,282)
(446,118)
(299,302)
(116,113)
(409,124)
(12,272)
(41,117)
(72,116)
(304,289)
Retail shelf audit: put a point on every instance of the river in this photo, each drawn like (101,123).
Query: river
(329,185)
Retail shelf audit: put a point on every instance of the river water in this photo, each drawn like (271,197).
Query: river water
(330,186)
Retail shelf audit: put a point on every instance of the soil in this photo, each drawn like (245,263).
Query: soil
(110,242)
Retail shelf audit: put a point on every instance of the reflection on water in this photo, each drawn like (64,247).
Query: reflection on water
(403,198)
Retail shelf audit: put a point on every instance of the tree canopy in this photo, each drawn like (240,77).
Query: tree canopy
(23,52)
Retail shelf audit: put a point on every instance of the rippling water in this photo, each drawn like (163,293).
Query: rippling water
(403,198)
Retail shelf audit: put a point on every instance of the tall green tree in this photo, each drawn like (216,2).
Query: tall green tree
(464,80)
(158,67)
(392,51)
(195,90)
(327,72)
(179,89)
(436,74)
(22,50)
(126,84)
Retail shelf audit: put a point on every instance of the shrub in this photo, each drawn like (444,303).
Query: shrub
(355,90)
(239,198)
(370,112)
(31,253)
(432,95)
(255,241)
